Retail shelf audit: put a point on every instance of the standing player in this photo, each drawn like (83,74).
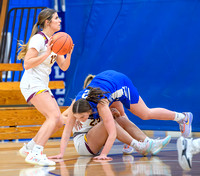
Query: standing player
(186,149)
(38,60)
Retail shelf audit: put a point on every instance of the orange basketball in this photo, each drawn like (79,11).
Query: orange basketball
(62,43)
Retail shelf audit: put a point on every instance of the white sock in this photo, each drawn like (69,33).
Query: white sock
(179,116)
(30,144)
(133,143)
(38,149)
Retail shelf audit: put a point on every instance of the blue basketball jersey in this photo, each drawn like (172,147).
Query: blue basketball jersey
(118,87)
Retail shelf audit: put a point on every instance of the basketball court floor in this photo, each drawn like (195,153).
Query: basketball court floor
(164,164)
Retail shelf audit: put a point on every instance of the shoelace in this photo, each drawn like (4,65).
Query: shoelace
(156,141)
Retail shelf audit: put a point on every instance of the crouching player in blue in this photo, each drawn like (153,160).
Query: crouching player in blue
(133,130)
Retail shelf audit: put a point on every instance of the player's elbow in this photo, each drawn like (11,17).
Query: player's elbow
(64,67)
(26,66)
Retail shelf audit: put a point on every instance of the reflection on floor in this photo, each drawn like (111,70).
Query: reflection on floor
(165,164)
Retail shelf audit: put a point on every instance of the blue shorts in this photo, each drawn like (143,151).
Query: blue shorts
(128,93)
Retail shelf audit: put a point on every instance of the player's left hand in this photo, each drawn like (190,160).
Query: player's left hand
(71,50)
(78,125)
(104,102)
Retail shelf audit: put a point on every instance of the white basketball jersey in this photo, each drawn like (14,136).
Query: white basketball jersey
(39,75)
(88,124)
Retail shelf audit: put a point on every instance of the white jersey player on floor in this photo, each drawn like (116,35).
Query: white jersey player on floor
(90,133)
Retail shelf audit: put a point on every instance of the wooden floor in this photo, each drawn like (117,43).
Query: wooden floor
(165,163)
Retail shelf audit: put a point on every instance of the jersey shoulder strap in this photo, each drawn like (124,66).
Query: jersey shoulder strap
(45,37)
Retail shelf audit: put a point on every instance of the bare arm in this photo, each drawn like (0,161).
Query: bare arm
(105,113)
(32,59)
(63,62)
(69,123)
(66,135)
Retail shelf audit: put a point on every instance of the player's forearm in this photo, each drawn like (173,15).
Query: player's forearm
(109,143)
(110,126)
(34,61)
(65,63)
(64,140)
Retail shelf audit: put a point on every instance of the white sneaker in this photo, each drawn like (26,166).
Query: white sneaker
(143,147)
(184,147)
(40,159)
(127,149)
(158,144)
(24,151)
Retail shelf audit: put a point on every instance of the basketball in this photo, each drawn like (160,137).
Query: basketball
(62,43)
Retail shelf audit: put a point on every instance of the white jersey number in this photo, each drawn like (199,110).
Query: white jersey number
(85,94)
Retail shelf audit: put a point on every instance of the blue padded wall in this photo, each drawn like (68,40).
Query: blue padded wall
(154,42)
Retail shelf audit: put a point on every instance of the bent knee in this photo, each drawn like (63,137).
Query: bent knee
(56,117)
(146,116)
(60,122)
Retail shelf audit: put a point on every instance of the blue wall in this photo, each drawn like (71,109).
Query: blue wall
(154,42)
(28,3)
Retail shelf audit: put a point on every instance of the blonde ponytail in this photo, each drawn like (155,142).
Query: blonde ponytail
(24,47)
(88,80)
(45,14)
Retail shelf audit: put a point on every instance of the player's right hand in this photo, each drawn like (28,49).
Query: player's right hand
(59,156)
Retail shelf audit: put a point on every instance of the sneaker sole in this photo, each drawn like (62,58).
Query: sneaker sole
(168,139)
(128,153)
(30,162)
(181,158)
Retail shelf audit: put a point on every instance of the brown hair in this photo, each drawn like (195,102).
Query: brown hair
(81,106)
(88,80)
(45,14)
(94,95)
